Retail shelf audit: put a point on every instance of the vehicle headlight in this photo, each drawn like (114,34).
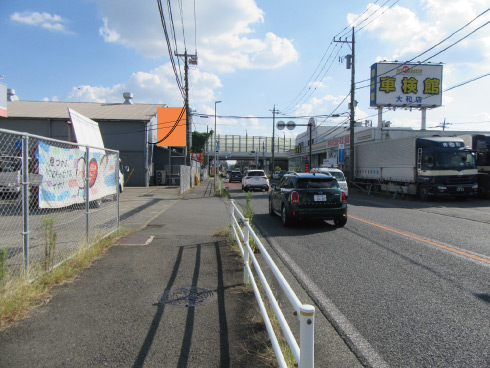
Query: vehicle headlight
(475,187)
(441,187)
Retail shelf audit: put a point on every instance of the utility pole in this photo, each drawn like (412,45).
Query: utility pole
(192,61)
(273,135)
(352,103)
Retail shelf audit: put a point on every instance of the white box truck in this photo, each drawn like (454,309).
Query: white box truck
(430,166)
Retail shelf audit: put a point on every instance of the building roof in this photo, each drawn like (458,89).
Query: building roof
(92,110)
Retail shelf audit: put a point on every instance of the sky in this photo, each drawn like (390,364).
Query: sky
(253,56)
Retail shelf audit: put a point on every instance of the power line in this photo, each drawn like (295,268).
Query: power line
(169,47)
(437,44)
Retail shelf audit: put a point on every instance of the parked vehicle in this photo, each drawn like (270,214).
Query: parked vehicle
(308,196)
(255,179)
(236,175)
(424,166)
(337,174)
(11,176)
(480,144)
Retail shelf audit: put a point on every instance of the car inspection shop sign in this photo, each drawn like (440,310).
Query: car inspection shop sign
(406,85)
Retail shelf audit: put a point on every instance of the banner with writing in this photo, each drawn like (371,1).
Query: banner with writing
(64,175)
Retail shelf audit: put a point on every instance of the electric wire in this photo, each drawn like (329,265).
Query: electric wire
(434,46)
(169,47)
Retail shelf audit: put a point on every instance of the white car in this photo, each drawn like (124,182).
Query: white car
(337,174)
(255,179)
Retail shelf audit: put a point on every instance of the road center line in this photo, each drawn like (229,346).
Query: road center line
(445,247)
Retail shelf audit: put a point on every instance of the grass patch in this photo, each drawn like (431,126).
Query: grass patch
(20,295)
(265,350)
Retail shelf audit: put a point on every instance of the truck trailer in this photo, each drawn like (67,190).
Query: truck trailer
(480,144)
(429,166)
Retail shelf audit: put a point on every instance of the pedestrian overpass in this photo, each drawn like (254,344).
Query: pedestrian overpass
(237,147)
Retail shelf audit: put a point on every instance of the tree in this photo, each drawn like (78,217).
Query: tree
(199,141)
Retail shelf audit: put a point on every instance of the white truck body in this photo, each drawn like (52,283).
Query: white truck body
(390,161)
(426,166)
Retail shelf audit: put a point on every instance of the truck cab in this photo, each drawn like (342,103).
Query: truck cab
(445,167)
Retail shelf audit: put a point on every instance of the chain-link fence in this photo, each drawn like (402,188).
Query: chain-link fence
(55,197)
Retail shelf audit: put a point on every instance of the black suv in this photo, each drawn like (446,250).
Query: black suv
(305,195)
(236,175)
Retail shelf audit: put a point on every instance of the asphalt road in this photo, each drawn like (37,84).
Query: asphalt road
(406,283)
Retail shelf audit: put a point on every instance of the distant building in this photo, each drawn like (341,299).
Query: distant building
(127,127)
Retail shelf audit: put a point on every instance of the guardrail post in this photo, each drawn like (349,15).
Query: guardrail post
(232,212)
(307,336)
(246,255)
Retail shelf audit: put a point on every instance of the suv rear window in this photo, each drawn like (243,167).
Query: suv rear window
(255,173)
(314,183)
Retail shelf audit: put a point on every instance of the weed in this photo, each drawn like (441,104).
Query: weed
(20,295)
(249,208)
(3,263)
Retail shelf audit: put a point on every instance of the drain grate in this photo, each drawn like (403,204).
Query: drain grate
(188,296)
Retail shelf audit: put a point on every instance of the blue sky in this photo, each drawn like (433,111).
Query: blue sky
(252,55)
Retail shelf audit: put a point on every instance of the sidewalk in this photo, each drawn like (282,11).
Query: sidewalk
(169,295)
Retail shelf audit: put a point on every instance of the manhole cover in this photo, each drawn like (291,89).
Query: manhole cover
(188,296)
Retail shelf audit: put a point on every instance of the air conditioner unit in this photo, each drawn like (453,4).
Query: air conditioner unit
(161,177)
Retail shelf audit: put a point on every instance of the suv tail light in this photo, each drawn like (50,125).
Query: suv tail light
(294,197)
(343,197)
(248,177)
(264,177)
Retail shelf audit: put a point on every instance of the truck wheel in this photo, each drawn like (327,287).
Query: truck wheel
(285,217)
(271,210)
(423,193)
(340,222)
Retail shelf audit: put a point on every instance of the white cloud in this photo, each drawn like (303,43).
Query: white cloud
(108,34)
(48,21)
(155,86)
(223,43)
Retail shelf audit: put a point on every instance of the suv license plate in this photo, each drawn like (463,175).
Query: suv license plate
(320,198)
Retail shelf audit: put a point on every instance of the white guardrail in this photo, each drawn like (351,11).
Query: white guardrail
(304,352)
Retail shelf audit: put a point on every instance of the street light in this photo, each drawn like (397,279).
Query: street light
(215,145)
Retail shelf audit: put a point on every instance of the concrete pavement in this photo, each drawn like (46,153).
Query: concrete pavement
(170,294)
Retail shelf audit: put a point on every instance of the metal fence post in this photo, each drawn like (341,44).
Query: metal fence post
(246,256)
(87,190)
(25,200)
(307,336)
(118,196)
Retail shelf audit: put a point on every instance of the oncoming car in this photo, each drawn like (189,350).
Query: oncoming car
(308,196)
(337,174)
(255,179)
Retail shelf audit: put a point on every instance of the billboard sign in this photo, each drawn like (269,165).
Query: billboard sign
(406,85)
(86,130)
(171,127)
(197,156)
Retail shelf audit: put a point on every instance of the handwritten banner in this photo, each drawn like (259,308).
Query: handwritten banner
(64,172)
